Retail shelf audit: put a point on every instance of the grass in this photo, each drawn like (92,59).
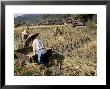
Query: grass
(77,46)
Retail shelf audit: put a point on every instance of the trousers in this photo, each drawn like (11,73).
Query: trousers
(41,54)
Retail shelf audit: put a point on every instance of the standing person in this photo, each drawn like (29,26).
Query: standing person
(57,31)
(38,48)
(24,35)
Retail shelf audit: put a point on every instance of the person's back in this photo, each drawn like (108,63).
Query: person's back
(37,44)
(38,48)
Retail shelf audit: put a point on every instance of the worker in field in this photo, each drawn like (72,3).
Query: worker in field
(57,31)
(39,49)
(24,35)
(27,27)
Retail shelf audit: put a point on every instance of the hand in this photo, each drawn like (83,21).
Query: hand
(34,52)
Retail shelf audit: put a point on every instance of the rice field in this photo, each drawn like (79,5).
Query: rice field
(75,51)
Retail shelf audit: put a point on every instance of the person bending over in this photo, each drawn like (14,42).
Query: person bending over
(38,48)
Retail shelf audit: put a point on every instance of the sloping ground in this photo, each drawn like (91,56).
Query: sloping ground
(74,52)
(83,62)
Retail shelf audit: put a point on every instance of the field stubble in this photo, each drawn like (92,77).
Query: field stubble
(76,52)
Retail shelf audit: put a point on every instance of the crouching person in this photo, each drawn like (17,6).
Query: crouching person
(39,50)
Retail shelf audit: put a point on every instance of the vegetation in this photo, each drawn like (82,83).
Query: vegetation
(28,19)
(75,51)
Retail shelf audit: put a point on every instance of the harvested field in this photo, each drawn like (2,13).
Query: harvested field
(75,51)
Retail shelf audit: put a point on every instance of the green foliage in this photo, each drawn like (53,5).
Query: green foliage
(39,18)
(90,25)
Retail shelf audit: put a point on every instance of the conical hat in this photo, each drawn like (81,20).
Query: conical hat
(31,38)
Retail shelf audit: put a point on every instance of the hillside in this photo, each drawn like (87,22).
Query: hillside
(34,19)
(74,51)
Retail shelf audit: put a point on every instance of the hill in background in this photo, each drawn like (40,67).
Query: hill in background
(35,19)
(75,48)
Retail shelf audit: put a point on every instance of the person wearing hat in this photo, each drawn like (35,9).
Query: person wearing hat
(38,48)
(24,35)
